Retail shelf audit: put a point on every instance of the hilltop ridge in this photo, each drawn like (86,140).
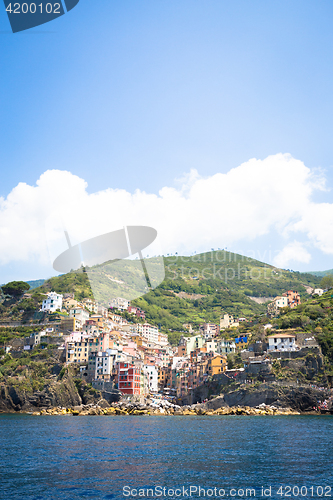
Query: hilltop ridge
(221,281)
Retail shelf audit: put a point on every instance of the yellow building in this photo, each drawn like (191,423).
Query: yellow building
(216,365)
(69,303)
(78,352)
(70,324)
(99,320)
(242,342)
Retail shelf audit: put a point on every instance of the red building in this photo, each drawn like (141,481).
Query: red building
(129,378)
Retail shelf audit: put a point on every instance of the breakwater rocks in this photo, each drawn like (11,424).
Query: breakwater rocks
(163,410)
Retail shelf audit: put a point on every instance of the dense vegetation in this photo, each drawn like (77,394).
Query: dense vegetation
(316,317)
(195,290)
(213,283)
(35,283)
(30,370)
(74,282)
(20,308)
(320,274)
(17,332)
(15,288)
(236,272)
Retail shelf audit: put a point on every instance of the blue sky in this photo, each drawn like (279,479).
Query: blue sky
(133,95)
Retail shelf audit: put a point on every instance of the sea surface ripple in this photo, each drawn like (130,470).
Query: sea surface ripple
(70,458)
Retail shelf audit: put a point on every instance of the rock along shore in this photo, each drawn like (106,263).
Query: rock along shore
(136,409)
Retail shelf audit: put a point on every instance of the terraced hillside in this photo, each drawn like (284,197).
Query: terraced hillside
(213,283)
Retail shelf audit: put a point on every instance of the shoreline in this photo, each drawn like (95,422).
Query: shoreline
(92,410)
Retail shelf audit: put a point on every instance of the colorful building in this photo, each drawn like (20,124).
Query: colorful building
(293,297)
(129,378)
(216,365)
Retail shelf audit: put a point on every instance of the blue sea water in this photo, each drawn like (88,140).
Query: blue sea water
(60,457)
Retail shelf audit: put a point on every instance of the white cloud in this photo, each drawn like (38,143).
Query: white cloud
(291,253)
(260,197)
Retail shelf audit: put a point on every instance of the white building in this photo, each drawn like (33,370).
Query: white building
(191,343)
(91,305)
(276,304)
(228,321)
(100,365)
(148,331)
(80,314)
(119,320)
(151,376)
(162,339)
(318,291)
(52,303)
(119,303)
(211,345)
(103,311)
(209,330)
(281,342)
(225,346)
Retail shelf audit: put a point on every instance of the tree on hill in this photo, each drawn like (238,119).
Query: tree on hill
(15,288)
(327,282)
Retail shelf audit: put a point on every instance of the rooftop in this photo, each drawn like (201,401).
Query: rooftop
(281,335)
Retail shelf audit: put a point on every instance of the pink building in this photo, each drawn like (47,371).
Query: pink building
(137,311)
(131,348)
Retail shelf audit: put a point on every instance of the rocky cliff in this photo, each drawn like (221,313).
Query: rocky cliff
(62,391)
(299,398)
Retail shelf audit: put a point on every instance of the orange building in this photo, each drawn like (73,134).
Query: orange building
(293,297)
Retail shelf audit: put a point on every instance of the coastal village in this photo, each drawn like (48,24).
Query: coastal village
(136,358)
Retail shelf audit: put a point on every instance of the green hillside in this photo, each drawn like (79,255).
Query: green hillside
(235,272)
(76,282)
(35,283)
(212,283)
(315,317)
(321,274)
